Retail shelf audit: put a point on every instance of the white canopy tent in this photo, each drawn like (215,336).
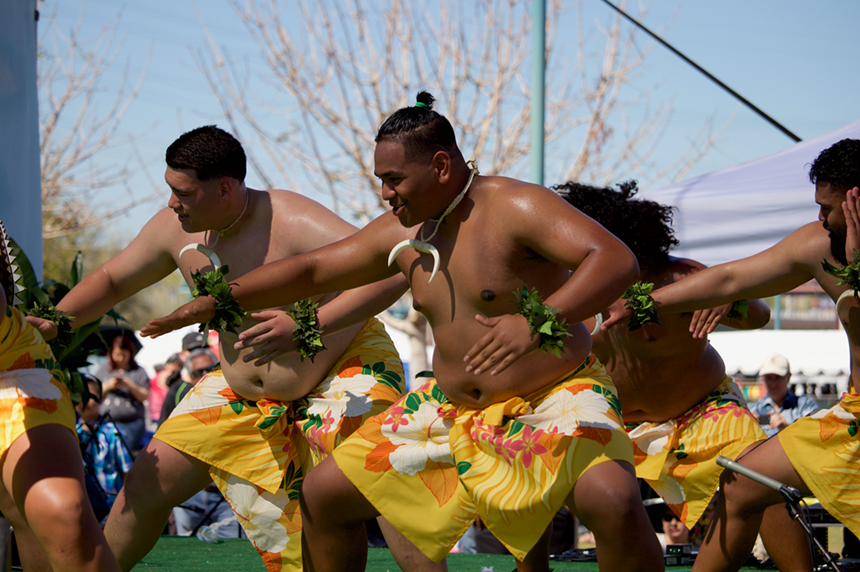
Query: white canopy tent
(737,212)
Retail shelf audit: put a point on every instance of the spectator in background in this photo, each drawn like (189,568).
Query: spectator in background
(125,386)
(199,362)
(780,407)
(159,386)
(105,455)
(191,342)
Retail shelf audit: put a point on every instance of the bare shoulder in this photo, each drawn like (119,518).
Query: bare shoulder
(304,222)
(164,233)
(524,201)
(678,269)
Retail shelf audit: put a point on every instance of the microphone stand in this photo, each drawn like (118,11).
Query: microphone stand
(791,495)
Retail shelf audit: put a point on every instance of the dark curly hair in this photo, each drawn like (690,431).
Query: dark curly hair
(643,225)
(420,130)
(210,151)
(838,165)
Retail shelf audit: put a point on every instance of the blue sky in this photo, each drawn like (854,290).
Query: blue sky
(795,59)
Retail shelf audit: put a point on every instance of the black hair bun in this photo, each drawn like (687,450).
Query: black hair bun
(426,99)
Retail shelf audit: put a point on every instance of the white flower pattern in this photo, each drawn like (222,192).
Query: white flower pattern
(343,397)
(259,514)
(424,438)
(566,411)
(34,383)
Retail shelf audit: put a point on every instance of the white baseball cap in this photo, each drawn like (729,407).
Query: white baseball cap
(775,364)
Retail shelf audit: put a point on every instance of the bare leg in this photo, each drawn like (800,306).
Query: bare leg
(333,517)
(739,516)
(160,479)
(785,540)
(606,499)
(537,560)
(43,473)
(406,554)
(29,549)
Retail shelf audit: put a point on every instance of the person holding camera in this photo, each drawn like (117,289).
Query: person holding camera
(781,406)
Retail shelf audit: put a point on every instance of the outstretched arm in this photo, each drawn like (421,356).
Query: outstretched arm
(274,335)
(359,259)
(774,271)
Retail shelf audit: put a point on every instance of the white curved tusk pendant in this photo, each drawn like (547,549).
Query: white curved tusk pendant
(216,262)
(420,246)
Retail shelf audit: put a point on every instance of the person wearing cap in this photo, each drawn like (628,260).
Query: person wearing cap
(781,406)
(190,342)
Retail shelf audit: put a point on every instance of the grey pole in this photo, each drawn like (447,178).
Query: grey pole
(538,83)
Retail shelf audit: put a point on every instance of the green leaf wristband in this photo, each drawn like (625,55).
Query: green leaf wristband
(739,310)
(542,320)
(63,321)
(308,332)
(640,301)
(228,312)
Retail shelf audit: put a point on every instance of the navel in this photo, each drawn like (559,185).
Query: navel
(488,295)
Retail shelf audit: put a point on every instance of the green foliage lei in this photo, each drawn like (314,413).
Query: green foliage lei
(739,310)
(228,312)
(308,332)
(849,275)
(542,320)
(640,301)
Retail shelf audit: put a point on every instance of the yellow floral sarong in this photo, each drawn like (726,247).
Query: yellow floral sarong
(32,392)
(824,449)
(430,467)
(678,458)
(259,451)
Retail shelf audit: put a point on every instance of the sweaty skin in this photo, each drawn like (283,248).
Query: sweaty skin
(301,225)
(499,238)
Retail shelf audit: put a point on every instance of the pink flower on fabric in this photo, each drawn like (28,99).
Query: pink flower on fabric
(531,446)
(396,419)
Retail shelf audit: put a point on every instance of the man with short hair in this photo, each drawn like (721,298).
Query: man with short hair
(256,431)
(818,454)
(503,432)
(781,406)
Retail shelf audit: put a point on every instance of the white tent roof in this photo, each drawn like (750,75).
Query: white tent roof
(740,211)
(811,353)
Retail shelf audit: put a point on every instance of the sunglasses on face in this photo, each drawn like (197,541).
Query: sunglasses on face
(669,517)
(202,371)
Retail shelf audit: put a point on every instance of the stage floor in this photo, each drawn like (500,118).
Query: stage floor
(183,554)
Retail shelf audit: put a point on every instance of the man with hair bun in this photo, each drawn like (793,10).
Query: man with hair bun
(681,409)
(818,454)
(256,431)
(520,418)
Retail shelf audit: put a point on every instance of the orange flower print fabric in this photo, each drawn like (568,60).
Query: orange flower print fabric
(430,466)
(678,458)
(32,392)
(259,451)
(824,449)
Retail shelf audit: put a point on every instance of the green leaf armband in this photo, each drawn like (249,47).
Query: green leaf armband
(848,275)
(640,301)
(308,331)
(63,321)
(739,310)
(542,320)
(228,312)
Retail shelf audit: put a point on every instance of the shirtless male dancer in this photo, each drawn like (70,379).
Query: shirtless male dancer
(503,432)
(818,455)
(255,431)
(681,409)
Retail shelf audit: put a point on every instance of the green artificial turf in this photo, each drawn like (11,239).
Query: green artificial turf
(183,554)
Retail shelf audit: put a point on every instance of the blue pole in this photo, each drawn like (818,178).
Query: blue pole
(538,83)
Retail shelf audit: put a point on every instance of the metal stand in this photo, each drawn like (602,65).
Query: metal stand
(792,498)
